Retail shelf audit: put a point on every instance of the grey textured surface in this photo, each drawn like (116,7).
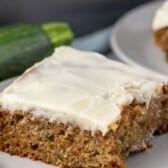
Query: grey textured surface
(84,16)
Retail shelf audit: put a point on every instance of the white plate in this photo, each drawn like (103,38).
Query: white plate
(131,39)
(156,157)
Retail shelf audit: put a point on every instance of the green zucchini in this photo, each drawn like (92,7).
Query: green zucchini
(22,45)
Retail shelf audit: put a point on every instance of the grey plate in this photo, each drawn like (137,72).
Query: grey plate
(131,39)
(97,41)
(154,158)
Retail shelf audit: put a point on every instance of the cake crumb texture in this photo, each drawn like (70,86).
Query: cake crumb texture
(67,146)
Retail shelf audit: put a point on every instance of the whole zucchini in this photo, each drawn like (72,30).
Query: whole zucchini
(22,45)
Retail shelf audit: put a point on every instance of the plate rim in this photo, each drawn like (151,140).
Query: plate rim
(114,44)
(7,82)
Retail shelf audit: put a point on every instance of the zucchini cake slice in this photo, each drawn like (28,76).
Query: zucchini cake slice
(79,109)
(160,27)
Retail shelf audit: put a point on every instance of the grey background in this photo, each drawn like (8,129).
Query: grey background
(84,15)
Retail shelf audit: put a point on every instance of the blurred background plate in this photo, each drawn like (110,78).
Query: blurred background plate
(131,39)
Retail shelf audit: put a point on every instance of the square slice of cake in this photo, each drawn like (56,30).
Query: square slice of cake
(79,109)
(160,27)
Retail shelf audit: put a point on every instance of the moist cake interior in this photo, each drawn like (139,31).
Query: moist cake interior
(80,109)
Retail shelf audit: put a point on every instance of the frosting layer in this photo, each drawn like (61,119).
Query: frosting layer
(79,87)
(161,17)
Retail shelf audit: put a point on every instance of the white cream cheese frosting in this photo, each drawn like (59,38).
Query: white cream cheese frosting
(80,87)
(161,17)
